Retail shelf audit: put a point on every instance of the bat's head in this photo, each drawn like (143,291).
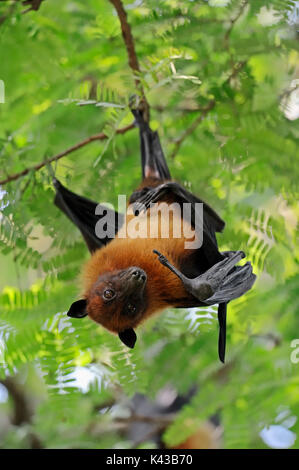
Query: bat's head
(117,300)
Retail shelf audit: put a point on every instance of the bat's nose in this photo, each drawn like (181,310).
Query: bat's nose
(138,275)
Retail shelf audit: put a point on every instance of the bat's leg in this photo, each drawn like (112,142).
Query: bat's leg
(153,161)
(221,283)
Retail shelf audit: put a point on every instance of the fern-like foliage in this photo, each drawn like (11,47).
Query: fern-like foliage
(67,78)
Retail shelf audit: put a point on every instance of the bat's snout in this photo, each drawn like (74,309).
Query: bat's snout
(135,278)
(138,275)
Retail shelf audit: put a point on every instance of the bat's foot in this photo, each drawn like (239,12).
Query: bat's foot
(221,283)
(153,195)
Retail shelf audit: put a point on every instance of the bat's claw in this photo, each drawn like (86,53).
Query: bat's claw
(161,257)
(138,208)
(145,201)
(163,260)
(157,252)
(151,197)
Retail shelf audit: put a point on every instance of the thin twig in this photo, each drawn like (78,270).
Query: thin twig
(179,109)
(100,136)
(236,70)
(204,111)
(234,20)
(192,127)
(3,18)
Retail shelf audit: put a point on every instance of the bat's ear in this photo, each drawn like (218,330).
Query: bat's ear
(78,309)
(128,337)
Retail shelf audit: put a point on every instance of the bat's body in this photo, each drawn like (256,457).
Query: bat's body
(162,287)
(124,281)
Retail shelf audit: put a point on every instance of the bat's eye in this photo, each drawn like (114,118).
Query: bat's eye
(108,294)
(131,309)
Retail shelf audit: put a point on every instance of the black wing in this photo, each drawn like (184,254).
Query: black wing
(81,211)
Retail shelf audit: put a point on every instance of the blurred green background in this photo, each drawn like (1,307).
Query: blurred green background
(70,384)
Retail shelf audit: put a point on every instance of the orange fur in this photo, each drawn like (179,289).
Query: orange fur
(123,253)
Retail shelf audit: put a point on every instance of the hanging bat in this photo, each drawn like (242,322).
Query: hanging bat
(127,279)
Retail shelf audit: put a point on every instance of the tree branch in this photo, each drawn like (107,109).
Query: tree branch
(100,136)
(127,35)
(35,4)
(130,46)
(22,410)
